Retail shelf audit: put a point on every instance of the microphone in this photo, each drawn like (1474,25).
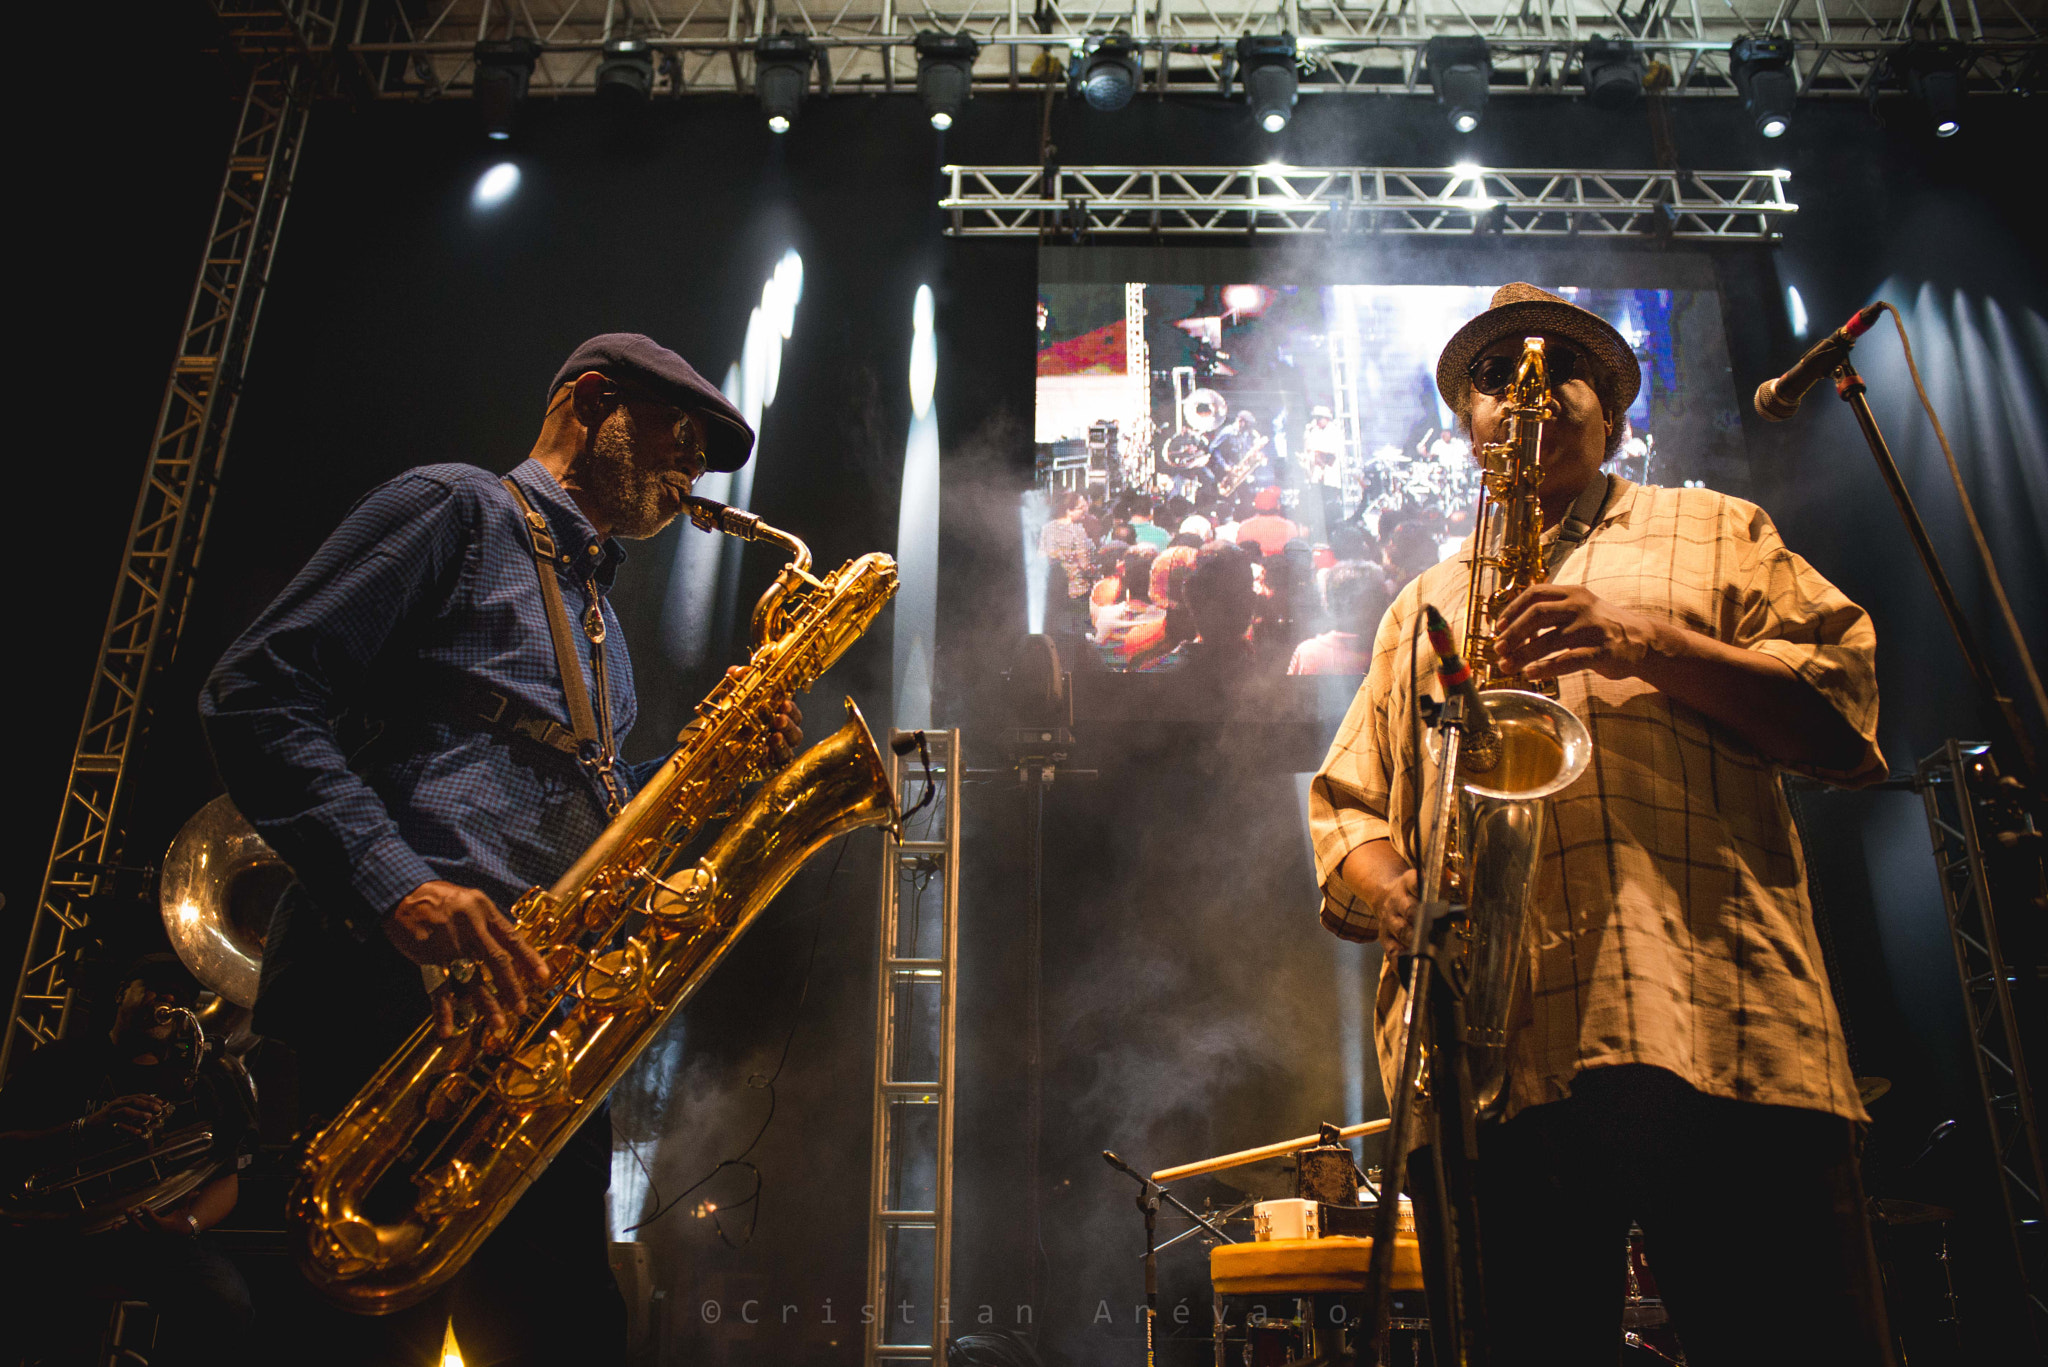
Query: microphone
(1481,751)
(1777,400)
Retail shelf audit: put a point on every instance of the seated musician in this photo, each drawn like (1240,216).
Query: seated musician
(82,1103)
(1678,1059)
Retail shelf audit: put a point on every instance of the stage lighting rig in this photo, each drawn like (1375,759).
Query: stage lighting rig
(1266,69)
(1933,75)
(782,75)
(625,73)
(945,74)
(1459,71)
(504,66)
(1110,71)
(1612,71)
(1763,77)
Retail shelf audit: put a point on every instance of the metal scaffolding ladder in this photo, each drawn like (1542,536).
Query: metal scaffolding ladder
(161,557)
(910,1203)
(1982,885)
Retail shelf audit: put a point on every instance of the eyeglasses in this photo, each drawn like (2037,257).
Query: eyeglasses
(1561,365)
(689,426)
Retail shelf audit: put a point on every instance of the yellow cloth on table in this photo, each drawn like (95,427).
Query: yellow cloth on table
(1305,1266)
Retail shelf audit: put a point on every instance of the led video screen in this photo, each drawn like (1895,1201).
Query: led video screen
(1301,426)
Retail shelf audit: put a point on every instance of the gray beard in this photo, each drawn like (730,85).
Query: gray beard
(635,498)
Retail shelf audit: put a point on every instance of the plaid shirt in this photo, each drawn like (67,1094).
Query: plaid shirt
(1670,920)
(428,580)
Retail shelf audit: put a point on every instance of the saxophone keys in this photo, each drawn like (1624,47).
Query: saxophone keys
(683,905)
(617,978)
(447,1190)
(536,1073)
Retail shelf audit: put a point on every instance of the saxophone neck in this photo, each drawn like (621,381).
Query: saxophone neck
(712,516)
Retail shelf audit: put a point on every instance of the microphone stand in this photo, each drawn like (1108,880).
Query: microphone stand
(1435,1007)
(1149,1195)
(1849,385)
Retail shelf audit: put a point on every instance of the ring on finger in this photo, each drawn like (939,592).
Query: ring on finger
(461,972)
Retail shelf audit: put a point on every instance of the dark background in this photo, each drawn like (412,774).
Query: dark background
(1190,994)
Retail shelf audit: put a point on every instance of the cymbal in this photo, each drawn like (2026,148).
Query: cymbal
(1869,1089)
(1893,1211)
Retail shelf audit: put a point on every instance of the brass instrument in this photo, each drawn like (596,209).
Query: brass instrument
(94,1191)
(220,881)
(398,1191)
(1234,478)
(1496,832)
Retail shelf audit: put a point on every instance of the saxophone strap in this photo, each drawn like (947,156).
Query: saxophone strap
(593,747)
(1578,523)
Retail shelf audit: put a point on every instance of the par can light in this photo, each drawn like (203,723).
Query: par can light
(504,67)
(1763,77)
(1934,77)
(1612,71)
(1266,68)
(782,75)
(1459,72)
(945,74)
(625,73)
(1110,74)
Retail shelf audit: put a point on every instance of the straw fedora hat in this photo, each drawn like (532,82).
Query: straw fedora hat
(1521,310)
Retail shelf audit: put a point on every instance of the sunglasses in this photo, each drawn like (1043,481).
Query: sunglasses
(1561,365)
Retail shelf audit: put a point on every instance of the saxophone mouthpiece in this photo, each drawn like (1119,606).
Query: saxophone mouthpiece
(710,515)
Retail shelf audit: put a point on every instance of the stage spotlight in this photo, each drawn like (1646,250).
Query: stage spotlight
(1763,77)
(1459,70)
(1110,75)
(625,73)
(782,75)
(945,74)
(1612,72)
(1934,76)
(504,66)
(1266,69)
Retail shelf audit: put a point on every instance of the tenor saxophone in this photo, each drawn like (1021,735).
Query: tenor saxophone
(396,1193)
(1537,745)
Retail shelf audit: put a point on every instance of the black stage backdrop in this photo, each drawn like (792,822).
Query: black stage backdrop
(1191,998)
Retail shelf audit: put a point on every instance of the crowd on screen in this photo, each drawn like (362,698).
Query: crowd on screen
(1151,585)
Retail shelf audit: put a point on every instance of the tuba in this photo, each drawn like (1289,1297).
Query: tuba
(1496,834)
(398,1190)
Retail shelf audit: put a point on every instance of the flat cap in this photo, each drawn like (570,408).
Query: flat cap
(1520,310)
(651,369)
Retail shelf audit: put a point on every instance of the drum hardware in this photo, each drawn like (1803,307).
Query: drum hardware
(1150,1193)
(1869,1089)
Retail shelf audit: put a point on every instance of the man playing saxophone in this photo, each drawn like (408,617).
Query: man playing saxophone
(419,730)
(1676,1048)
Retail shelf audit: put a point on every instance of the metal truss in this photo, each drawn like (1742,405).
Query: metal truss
(169,526)
(910,1201)
(1988,856)
(1717,206)
(422,50)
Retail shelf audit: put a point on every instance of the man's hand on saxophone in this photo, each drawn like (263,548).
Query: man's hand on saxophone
(459,930)
(1377,872)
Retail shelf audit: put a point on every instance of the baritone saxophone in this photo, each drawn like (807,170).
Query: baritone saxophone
(397,1192)
(1537,747)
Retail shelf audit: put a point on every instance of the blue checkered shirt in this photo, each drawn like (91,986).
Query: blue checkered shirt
(428,583)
